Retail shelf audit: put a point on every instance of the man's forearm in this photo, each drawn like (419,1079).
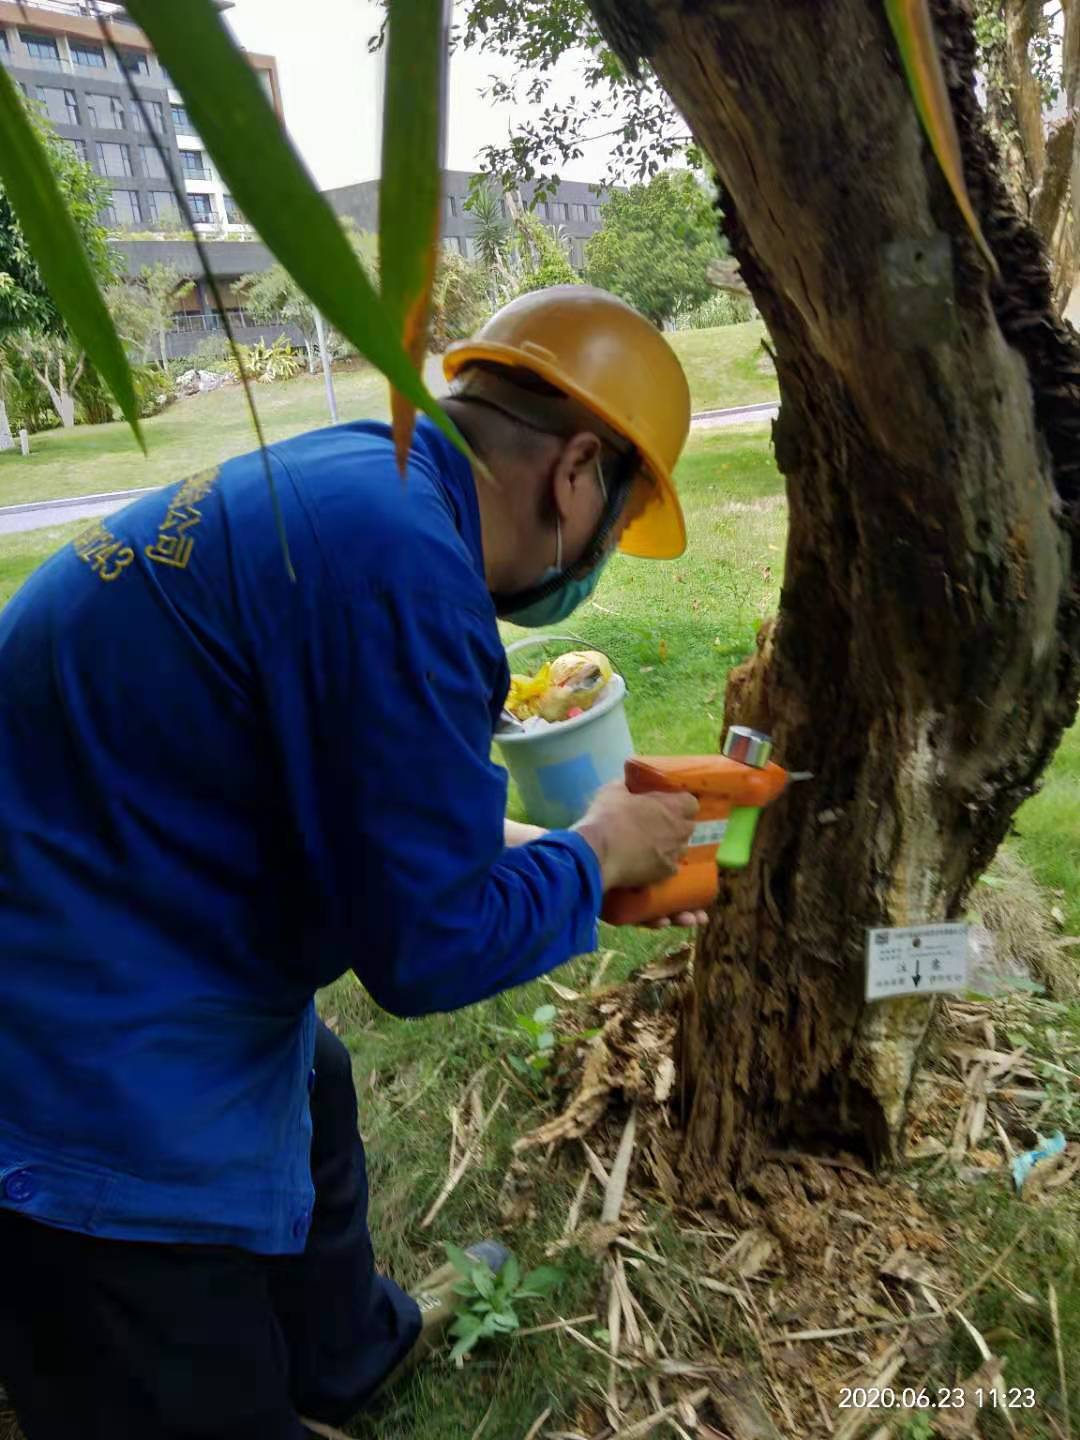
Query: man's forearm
(516,832)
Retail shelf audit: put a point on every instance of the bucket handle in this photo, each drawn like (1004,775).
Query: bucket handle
(574,640)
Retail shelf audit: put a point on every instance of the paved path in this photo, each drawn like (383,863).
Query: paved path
(37,514)
(736,415)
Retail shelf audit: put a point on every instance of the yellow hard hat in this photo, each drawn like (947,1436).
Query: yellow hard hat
(599,350)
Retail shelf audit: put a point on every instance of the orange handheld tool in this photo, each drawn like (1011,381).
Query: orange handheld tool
(732,790)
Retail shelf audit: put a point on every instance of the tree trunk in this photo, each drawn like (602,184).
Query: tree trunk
(926,656)
(1051,211)
(59,399)
(6,440)
(1070,79)
(1021,19)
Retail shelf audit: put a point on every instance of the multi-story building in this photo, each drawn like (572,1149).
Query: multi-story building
(55,51)
(575,211)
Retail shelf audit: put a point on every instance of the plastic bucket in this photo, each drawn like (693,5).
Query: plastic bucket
(559,768)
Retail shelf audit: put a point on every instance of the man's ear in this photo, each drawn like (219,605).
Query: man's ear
(576,465)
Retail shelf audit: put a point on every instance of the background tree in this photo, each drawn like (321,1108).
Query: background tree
(655,245)
(273,295)
(460,299)
(540,254)
(1029,58)
(492,232)
(57,367)
(143,308)
(7,441)
(27,310)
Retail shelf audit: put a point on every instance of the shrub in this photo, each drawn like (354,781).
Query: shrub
(268,363)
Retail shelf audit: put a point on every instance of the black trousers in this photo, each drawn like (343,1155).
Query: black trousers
(118,1340)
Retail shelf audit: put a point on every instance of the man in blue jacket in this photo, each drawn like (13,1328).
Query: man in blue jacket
(220,788)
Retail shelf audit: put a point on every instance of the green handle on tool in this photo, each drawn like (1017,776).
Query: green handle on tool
(734,849)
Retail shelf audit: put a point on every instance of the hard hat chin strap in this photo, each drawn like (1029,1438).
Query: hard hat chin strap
(616,493)
(561,416)
(549,411)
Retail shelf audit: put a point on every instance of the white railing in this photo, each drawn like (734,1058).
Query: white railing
(78,8)
(20,60)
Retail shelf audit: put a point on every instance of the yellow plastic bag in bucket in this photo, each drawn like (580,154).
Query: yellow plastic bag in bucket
(559,767)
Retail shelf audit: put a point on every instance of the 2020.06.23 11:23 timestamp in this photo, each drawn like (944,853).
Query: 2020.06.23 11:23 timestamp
(943,1397)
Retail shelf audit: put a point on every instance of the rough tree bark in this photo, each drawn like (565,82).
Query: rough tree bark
(926,656)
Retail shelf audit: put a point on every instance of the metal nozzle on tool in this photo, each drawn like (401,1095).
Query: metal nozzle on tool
(749,747)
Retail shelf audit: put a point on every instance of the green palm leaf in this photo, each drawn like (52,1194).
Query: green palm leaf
(914,32)
(410,190)
(271,186)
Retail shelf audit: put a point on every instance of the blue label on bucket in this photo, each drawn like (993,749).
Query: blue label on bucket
(570,783)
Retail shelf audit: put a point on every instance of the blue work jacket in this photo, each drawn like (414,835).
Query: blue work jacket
(221,788)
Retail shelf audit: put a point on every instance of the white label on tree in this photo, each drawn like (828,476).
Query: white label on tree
(708,832)
(916,959)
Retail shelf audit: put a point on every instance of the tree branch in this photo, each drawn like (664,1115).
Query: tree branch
(1021,19)
(1051,196)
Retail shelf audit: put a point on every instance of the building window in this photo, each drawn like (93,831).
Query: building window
(61,106)
(180,118)
(558,210)
(105,111)
(114,160)
(233,214)
(594,214)
(161,205)
(124,208)
(79,147)
(470,247)
(194,165)
(152,163)
(40,47)
(4,43)
(451,204)
(202,207)
(90,57)
(155,114)
(135,62)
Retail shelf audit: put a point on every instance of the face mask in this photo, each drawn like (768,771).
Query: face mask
(553,608)
(564,599)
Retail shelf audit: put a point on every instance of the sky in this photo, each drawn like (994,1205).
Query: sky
(330,89)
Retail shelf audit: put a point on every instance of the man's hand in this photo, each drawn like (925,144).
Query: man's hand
(638,839)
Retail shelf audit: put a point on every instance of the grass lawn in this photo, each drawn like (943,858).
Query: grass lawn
(674,630)
(204,429)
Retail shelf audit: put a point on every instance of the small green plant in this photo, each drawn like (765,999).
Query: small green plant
(537,1030)
(491,1298)
(542,1040)
(267,363)
(919,1427)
